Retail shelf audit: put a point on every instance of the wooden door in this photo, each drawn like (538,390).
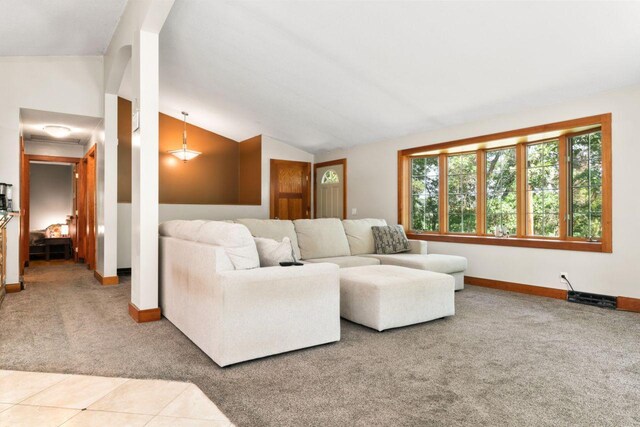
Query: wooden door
(290,190)
(90,201)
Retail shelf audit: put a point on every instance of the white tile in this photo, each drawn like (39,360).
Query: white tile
(18,386)
(140,397)
(41,416)
(193,403)
(100,419)
(4,406)
(5,373)
(161,421)
(75,392)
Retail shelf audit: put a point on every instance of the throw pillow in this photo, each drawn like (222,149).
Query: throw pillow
(390,239)
(272,253)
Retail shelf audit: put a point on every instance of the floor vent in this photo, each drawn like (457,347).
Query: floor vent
(604,301)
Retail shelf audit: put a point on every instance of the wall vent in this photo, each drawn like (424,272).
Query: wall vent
(604,301)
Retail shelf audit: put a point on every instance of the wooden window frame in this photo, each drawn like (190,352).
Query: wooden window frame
(520,139)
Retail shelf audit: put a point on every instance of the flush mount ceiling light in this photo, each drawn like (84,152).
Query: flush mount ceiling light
(57,131)
(184,154)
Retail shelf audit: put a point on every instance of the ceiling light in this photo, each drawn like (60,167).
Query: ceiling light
(57,131)
(184,154)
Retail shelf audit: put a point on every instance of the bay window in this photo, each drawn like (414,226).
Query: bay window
(547,186)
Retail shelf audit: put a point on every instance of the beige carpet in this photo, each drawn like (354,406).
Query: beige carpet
(504,359)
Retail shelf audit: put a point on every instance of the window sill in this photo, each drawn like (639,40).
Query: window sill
(567,245)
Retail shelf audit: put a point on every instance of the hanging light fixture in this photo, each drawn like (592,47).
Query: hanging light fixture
(184,154)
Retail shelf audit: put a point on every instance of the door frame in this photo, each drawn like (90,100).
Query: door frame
(336,162)
(87,212)
(273,178)
(25,199)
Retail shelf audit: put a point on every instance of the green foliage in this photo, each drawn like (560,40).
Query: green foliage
(461,189)
(586,185)
(501,190)
(425,192)
(543,181)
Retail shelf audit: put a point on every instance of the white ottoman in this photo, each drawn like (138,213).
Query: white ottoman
(387,296)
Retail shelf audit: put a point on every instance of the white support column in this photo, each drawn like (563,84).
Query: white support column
(144,172)
(108,217)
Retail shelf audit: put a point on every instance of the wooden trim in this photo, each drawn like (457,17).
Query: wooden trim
(105,281)
(51,159)
(517,287)
(143,316)
(563,190)
(404,182)
(568,125)
(522,139)
(11,288)
(342,162)
(571,245)
(629,304)
(607,185)
(481,192)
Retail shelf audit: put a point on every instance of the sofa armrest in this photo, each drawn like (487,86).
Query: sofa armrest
(275,309)
(417,247)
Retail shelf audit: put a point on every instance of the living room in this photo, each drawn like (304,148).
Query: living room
(320,213)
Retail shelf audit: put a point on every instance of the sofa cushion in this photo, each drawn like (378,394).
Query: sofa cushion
(359,234)
(234,238)
(272,229)
(347,261)
(321,238)
(390,239)
(272,252)
(433,262)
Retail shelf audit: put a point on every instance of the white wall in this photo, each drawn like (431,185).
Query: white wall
(372,181)
(51,194)
(54,149)
(72,85)
(271,149)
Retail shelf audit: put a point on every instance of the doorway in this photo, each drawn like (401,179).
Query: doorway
(330,184)
(49,230)
(290,190)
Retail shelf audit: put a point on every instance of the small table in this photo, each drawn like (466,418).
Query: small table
(57,242)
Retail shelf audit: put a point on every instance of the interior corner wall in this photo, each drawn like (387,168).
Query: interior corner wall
(375,166)
(72,85)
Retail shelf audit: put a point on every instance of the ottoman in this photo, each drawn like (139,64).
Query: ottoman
(388,296)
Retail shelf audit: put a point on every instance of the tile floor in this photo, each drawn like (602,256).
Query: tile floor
(42,399)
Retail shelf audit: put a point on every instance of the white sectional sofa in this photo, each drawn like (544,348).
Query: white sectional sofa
(213,291)
(349,243)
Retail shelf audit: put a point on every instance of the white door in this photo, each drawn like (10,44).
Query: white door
(330,191)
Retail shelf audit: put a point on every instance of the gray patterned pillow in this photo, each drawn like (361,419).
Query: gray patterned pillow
(390,239)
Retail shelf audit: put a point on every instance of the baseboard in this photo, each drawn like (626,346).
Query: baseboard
(517,287)
(124,271)
(12,287)
(624,303)
(142,316)
(106,281)
(629,304)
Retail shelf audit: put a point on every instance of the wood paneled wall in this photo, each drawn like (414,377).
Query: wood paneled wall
(226,173)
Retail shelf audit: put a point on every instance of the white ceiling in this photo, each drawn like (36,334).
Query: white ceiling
(33,122)
(57,27)
(330,74)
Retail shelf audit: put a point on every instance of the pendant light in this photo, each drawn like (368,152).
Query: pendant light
(184,154)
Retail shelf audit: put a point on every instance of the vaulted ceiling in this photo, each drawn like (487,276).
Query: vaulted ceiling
(329,74)
(57,27)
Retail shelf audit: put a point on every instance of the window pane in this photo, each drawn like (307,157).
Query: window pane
(543,180)
(425,191)
(585,182)
(462,181)
(501,190)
